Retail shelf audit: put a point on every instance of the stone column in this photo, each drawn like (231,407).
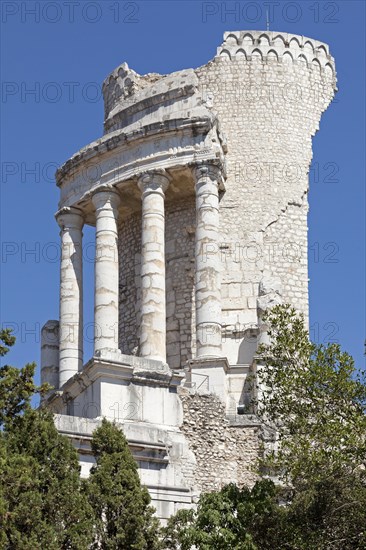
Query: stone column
(153,307)
(208,278)
(106,202)
(50,352)
(269,296)
(71,221)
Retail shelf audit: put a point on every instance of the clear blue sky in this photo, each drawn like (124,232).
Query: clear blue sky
(64,50)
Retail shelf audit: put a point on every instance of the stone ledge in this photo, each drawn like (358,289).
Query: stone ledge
(244,420)
(205,362)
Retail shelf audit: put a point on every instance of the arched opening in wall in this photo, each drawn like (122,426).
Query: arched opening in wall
(88,290)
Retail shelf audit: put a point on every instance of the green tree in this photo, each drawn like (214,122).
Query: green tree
(16,385)
(124,517)
(233,518)
(6,341)
(42,503)
(316,400)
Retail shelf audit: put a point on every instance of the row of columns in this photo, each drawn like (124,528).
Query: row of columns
(106,201)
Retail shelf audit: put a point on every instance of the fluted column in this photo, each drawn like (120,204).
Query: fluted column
(207,276)
(71,222)
(106,202)
(153,307)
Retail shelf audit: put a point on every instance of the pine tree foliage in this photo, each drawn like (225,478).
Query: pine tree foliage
(42,505)
(42,502)
(124,516)
(16,385)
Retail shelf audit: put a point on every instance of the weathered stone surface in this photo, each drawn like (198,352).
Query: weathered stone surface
(153,310)
(198,191)
(207,269)
(106,202)
(50,348)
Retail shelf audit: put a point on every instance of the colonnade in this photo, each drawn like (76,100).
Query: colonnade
(106,201)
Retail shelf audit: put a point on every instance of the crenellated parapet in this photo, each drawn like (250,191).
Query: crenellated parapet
(270,45)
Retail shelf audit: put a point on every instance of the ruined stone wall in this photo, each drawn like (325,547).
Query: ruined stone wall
(224,453)
(254,108)
(285,244)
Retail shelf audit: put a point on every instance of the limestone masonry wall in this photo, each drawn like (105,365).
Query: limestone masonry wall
(268,91)
(129,251)
(180,224)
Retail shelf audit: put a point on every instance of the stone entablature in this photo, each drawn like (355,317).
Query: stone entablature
(119,158)
(198,193)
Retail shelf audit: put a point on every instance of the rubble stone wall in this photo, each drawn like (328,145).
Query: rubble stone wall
(224,453)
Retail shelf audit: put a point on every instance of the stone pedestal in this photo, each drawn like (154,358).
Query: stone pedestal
(71,290)
(106,202)
(209,375)
(153,301)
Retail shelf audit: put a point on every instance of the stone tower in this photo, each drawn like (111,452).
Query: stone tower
(198,193)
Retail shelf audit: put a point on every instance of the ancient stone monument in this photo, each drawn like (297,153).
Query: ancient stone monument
(198,193)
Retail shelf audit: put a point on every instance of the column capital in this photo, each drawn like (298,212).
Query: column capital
(213,169)
(70,217)
(104,194)
(154,180)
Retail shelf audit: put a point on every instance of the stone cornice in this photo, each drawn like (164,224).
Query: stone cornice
(80,431)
